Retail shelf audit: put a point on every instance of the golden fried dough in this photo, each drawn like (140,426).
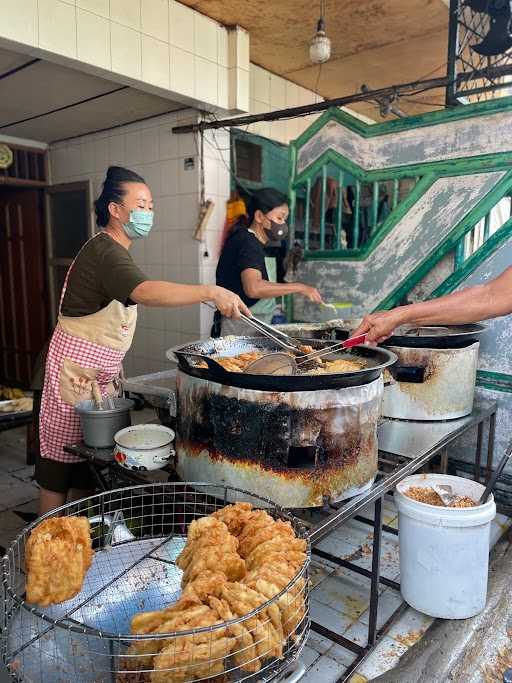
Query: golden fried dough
(58,554)
(234,561)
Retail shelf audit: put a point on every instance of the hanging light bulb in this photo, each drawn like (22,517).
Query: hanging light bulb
(320,46)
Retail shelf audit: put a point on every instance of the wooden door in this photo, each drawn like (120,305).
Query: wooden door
(24,311)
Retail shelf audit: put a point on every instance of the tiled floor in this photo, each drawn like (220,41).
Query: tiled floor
(18,493)
(339,597)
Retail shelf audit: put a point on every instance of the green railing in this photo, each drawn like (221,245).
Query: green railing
(493,221)
(335,211)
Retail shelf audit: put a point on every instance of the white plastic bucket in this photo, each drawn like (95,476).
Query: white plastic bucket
(444,552)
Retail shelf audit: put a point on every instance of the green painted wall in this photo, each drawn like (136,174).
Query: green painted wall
(274,158)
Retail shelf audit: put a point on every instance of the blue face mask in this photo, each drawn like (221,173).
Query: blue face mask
(139,224)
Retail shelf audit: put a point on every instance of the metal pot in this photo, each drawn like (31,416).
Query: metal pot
(100,426)
(435,374)
(301,440)
(143,447)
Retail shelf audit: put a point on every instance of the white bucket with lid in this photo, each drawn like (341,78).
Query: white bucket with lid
(444,552)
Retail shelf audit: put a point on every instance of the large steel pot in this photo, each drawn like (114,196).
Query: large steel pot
(435,374)
(300,440)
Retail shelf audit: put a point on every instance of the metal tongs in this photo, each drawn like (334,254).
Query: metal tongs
(281,339)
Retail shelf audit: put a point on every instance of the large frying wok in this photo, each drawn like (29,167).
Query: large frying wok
(376,360)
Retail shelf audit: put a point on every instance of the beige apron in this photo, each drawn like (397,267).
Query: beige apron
(83,351)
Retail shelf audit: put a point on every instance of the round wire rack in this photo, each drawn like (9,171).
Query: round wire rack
(138,532)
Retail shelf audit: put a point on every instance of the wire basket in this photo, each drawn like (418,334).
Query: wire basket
(138,532)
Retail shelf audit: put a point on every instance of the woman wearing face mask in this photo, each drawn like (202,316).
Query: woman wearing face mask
(244,269)
(97,317)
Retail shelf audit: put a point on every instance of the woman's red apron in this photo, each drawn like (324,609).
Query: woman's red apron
(82,350)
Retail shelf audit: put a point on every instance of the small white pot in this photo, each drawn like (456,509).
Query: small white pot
(144,447)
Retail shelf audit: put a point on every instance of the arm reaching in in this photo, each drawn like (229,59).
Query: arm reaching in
(490,300)
(160,293)
(257,288)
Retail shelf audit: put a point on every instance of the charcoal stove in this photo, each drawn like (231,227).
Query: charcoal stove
(301,440)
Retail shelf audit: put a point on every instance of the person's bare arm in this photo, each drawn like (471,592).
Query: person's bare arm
(161,293)
(490,300)
(256,287)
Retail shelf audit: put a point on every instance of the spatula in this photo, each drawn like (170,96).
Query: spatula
(445,492)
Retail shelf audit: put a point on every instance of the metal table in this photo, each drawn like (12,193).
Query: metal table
(404,448)
(107,473)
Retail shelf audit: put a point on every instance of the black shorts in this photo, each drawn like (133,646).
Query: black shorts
(59,477)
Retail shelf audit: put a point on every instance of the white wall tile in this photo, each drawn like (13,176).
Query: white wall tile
(188,211)
(57,27)
(187,179)
(126,12)
(211,176)
(187,145)
(93,39)
(223,87)
(18,21)
(190,319)
(117,149)
(168,143)
(101,155)
(243,49)
(74,161)
(169,177)
(154,249)
(205,37)
(87,157)
(260,84)
(126,51)
(171,249)
(238,46)
(277,92)
(189,249)
(242,95)
(151,175)
(133,147)
(182,71)
(155,18)
(222,46)
(206,74)
(155,61)
(149,145)
(181,26)
(100,7)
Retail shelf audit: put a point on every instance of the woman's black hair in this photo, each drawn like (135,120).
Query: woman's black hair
(113,191)
(264,200)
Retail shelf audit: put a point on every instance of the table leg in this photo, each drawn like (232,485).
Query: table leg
(478,457)
(100,480)
(490,446)
(374,593)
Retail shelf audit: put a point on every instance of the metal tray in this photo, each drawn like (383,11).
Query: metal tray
(158,388)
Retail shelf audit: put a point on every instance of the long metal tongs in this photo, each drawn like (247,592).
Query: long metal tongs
(347,344)
(280,338)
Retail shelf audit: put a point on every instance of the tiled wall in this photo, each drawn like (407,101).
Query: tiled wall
(170,253)
(160,46)
(269,92)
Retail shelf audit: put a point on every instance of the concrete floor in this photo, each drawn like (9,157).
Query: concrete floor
(339,598)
